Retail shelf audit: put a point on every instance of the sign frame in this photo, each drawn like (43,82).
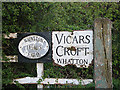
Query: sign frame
(91,47)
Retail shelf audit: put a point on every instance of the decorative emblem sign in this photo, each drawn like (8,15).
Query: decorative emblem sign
(33,46)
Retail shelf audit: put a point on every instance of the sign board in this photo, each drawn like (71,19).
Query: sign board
(34,47)
(72,48)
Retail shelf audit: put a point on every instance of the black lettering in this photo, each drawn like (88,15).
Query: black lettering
(37,54)
(67,39)
(86,51)
(64,61)
(57,51)
(85,61)
(37,39)
(32,38)
(32,54)
(29,47)
(64,39)
(28,54)
(28,39)
(41,40)
(81,39)
(73,61)
(59,40)
(69,61)
(59,60)
(66,51)
(78,50)
(88,38)
(77,61)
(80,61)
(25,40)
(75,39)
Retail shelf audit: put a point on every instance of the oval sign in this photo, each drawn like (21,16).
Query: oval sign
(33,46)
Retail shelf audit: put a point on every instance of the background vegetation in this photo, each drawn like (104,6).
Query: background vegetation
(37,17)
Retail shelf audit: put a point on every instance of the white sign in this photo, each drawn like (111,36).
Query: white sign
(33,47)
(74,48)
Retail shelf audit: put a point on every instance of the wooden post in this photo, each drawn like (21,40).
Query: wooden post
(102,53)
(40,71)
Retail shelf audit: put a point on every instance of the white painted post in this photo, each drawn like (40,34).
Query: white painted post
(40,72)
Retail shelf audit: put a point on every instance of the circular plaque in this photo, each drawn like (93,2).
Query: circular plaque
(33,47)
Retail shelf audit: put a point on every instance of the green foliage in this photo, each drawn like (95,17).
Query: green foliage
(16,70)
(67,16)
(20,86)
(69,86)
(116,84)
